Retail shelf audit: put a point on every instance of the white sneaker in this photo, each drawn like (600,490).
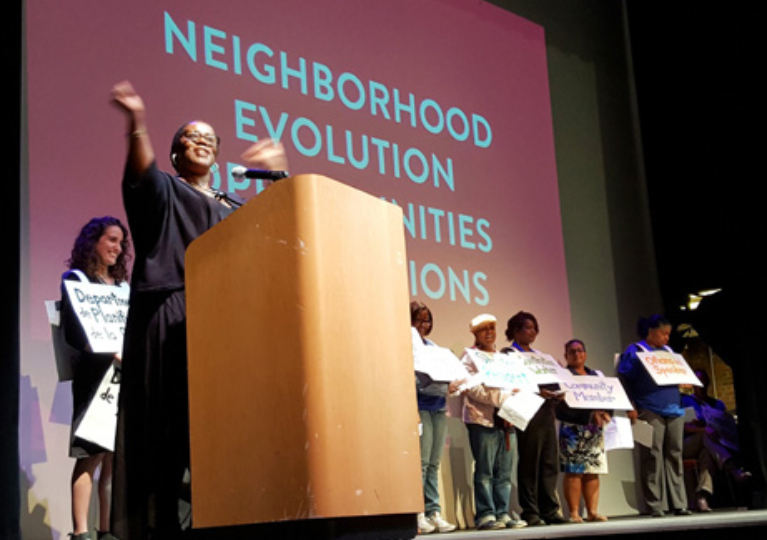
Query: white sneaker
(424,525)
(512,523)
(440,524)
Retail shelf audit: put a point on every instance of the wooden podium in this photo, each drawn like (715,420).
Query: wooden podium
(301,389)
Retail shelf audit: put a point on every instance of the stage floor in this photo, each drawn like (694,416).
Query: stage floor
(727,524)
(743,524)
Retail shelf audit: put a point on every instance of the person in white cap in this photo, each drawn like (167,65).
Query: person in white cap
(491,438)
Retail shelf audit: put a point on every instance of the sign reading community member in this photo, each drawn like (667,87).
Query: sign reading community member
(102,311)
(594,392)
(503,370)
(668,368)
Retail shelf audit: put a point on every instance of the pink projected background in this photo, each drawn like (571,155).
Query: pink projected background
(441,106)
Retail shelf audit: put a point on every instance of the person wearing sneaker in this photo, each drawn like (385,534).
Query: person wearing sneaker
(490,437)
(432,411)
(711,439)
(660,466)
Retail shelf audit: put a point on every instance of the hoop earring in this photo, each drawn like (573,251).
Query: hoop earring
(214,168)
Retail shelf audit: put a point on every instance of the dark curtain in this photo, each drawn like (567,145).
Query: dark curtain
(732,323)
(10,115)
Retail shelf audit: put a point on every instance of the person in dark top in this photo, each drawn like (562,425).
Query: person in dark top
(165,213)
(538,469)
(100,255)
(582,455)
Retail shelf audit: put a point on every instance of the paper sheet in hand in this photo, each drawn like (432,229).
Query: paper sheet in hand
(668,368)
(99,423)
(439,363)
(501,370)
(642,433)
(102,311)
(593,392)
(520,408)
(618,434)
(544,367)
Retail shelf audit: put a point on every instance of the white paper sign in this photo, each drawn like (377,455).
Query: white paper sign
(502,370)
(102,311)
(99,423)
(544,367)
(520,408)
(439,363)
(618,434)
(668,368)
(593,392)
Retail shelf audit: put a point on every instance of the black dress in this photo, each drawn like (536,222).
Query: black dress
(88,370)
(165,215)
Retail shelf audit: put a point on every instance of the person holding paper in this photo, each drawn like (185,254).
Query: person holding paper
(432,410)
(538,444)
(100,255)
(660,466)
(705,442)
(492,439)
(166,213)
(581,444)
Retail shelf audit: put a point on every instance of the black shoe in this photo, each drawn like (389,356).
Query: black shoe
(534,521)
(657,513)
(556,519)
(682,512)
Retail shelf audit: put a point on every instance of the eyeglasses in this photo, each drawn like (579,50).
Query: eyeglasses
(196,136)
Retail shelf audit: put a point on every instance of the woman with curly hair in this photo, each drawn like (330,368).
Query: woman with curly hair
(100,255)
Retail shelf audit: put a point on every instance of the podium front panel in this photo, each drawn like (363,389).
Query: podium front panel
(301,388)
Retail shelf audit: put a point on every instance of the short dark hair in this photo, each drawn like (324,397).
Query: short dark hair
(517,322)
(575,340)
(177,146)
(652,322)
(416,308)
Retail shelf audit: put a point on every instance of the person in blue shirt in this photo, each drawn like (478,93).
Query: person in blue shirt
(432,410)
(660,466)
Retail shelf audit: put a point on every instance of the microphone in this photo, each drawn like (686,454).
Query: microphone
(242,172)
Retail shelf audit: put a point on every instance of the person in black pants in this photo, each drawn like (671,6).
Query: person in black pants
(538,443)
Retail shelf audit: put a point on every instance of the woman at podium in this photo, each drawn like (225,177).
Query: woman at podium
(166,212)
